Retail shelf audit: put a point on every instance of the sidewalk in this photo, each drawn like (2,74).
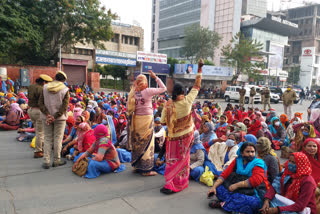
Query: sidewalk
(26,188)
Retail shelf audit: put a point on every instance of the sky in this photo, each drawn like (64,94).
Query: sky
(131,11)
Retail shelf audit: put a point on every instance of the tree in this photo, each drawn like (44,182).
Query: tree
(199,42)
(172,62)
(116,71)
(208,62)
(238,54)
(31,31)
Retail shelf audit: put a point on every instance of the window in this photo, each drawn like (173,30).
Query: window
(85,51)
(315,72)
(295,59)
(79,51)
(317,60)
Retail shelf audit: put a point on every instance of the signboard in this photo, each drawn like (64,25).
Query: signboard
(151,57)
(276,60)
(24,77)
(156,68)
(115,54)
(207,70)
(100,59)
(308,52)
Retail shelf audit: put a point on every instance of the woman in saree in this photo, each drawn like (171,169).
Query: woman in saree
(140,123)
(222,154)
(197,157)
(303,131)
(236,188)
(295,184)
(279,134)
(12,119)
(178,118)
(267,154)
(208,136)
(311,148)
(105,158)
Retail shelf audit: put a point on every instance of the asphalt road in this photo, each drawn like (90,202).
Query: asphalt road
(27,188)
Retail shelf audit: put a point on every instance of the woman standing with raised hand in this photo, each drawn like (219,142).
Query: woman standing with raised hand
(140,123)
(178,118)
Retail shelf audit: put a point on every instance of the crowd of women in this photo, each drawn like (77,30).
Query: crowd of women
(179,138)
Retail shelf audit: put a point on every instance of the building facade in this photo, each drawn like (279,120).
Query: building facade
(305,45)
(171,17)
(77,59)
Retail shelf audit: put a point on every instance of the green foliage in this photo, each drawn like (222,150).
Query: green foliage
(238,54)
(116,71)
(208,62)
(199,42)
(172,62)
(293,75)
(31,31)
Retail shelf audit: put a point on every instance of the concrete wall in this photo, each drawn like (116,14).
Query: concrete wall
(13,71)
(94,80)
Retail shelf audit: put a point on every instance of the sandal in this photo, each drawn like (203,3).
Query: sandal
(151,173)
(215,204)
(166,191)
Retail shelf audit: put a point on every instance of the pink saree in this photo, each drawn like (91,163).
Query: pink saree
(178,163)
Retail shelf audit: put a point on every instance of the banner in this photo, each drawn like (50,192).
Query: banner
(151,57)
(207,70)
(156,68)
(100,59)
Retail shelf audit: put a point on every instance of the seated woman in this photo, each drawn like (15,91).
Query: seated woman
(222,154)
(159,135)
(69,142)
(106,157)
(295,184)
(12,119)
(85,140)
(271,115)
(220,126)
(266,153)
(236,188)
(197,157)
(311,148)
(303,132)
(246,121)
(284,120)
(279,134)
(208,135)
(291,133)
(204,119)
(69,125)
(259,116)
(255,128)
(122,124)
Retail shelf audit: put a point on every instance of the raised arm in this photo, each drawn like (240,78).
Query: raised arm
(197,85)
(155,91)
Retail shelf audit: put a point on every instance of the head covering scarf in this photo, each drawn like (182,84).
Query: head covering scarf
(283,120)
(86,115)
(101,131)
(70,123)
(241,170)
(261,119)
(84,128)
(315,163)
(264,147)
(254,128)
(303,169)
(297,114)
(23,96)
(77,112)
(229,117)
(264,127)
(251,138)
(207,136)
(271,127)
(197,144)
(16,108)
(242,127)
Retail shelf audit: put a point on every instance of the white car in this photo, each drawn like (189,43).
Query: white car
(274,98)
(232,93)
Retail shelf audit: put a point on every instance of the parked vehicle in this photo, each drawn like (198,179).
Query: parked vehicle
(232,93)
(274,97)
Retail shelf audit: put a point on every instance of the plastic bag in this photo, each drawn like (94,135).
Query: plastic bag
(207,177)
(33,143)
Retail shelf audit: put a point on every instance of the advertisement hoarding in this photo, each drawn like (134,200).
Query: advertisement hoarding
(275,60)
(100,59)
(207,70)
(156,68)
(151,57)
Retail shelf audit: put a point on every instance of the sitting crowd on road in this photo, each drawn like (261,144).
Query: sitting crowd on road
(232,149)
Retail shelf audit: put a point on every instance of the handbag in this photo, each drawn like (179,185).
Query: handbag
(81,168)
(235,178)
